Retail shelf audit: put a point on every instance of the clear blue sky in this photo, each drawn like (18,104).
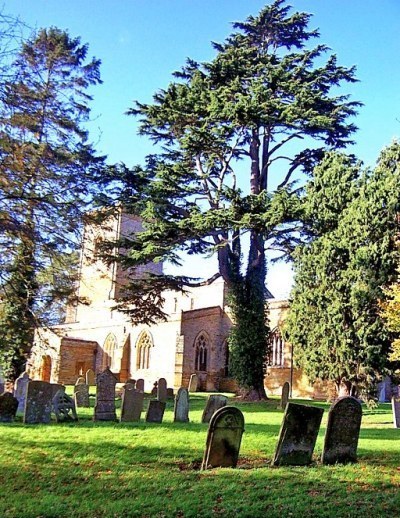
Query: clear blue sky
(141,42)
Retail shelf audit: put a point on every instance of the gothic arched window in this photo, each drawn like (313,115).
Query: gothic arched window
(201,352)
(110,344)
(143,346)
(276,355)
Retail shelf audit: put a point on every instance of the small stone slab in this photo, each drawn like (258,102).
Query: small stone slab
(39,401)
(8,407)
(214,403)
(285,395)
(396,411)
(20,390)
(80,380)
(132,404)
(64,407)
(104,409)
(162,390)
(223,439)
(81,396)
(155,412)
(194,383)
(90,378)
(181,407)
(342,431)
(140,385)
(297,435)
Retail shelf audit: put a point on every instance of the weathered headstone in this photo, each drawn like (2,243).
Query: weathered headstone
(104,409)
(132,404)
(81,395)
(155,411)
(181,408)
(297,435)
(193,383)
(396,411)
(170,392)
(342,431)
(285,395)
(223,439)
(2,381)
(39,402)
(90,378)
(162,389)
(154,390)
(214,403)
(140,385)
(8,407)
(21,387)
(131,381)
(64,407)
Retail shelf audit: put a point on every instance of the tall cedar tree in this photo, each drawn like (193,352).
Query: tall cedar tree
(223,126)
(334,322)
(47,173)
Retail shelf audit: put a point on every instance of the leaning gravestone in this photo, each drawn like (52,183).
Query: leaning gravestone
(155,412)
(162,390)
(64,407)
(193,383)
(90,378)
(342,431)
(21,386)
(38,403)
(181,408)
(396,411)
(285,395)
(223,439)
(8,407)
(140,385)
(132,404)
(81,395)
(214,403)
(297,435)
(104,409)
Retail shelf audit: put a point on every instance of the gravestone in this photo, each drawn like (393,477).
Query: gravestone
(396,411)
(8,407)
(297,435)
(162,389)
(285,395)
(38,403)
(181,407)
(214,403)
(170,392)
(131,381)
(64,407)
(193,383)
(81,395)
(154,390)
(140,385)
(342,431)
(132,404)
(90,378)
(223,439)
(104,409)
(80,380)
(155,412)
(21,387)
(2,381)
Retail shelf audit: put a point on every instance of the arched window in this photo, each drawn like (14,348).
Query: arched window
(143,347)
(201,352)
(110,344)
(276,355)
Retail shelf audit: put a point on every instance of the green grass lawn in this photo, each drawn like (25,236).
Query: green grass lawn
(89,469)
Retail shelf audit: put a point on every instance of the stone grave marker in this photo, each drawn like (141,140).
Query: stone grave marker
(155,412)
(90,378)
(223,439)
(214,403)
(80,380)
(131,381)
(38,403)
(81,395)
(104,409)
(181,407)
(342,431)
(396,411)
(194,383)
(132,404)
(170,392)
(140,385)
(8,407)
(162,390)
(21,387)
(64,407)
(297,435)
(285,395)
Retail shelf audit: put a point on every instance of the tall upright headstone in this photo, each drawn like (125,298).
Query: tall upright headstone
(8,407)
(104,409)
(39,401)
(162,390)
(155,411)
(81,395)
(90,378)
(396,411)
(297,435)
(140,385)
(342,431)
(132,404)
(223,439)
(181,407)
(285,395)
(194,383)
(214,403)
(21,387)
